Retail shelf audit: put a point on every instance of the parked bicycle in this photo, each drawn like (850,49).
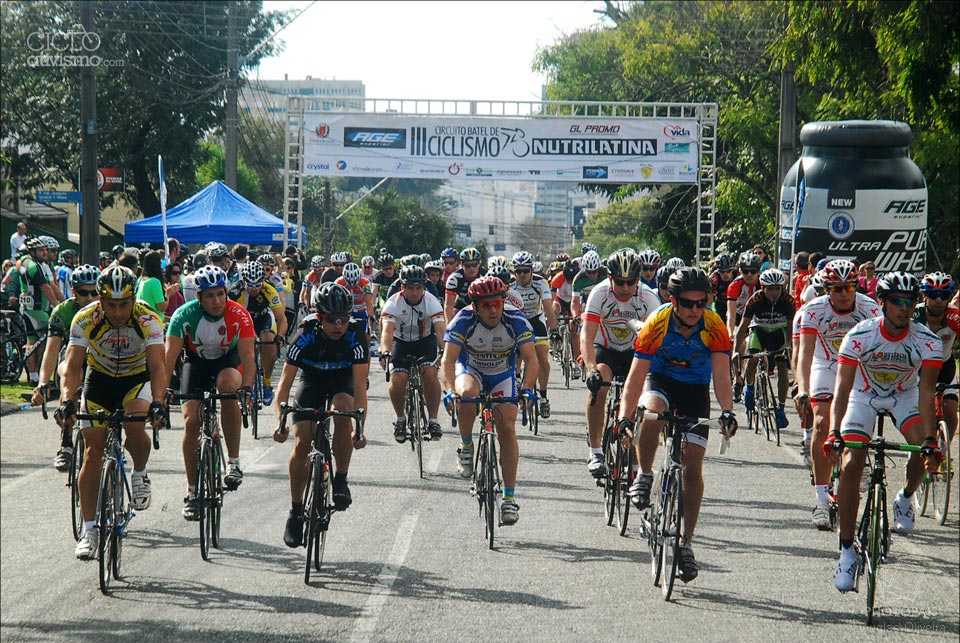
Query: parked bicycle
(14,350)
(318,504)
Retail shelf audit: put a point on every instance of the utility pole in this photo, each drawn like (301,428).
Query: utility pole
(230,127)
(788,136)
(90,217)
(327,241)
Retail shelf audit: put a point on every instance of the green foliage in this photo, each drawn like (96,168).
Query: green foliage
(389,220)
(211,169)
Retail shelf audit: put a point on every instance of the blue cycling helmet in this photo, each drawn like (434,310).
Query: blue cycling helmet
(210,277)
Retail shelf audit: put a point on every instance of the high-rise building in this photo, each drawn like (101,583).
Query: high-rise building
(268,98)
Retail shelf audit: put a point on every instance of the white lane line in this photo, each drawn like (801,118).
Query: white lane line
(14,484)
(367,621)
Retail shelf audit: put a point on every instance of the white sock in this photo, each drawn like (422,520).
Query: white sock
(401,418)
(139,474)
(596,451)
(823,492)
(89,524)
(807,434)
(235,461)
(635,468)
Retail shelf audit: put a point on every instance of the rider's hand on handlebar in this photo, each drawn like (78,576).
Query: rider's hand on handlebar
(832,446)
(594,381)
(933,456)
(66,414)
(280,434)
(728,423)
(157,414)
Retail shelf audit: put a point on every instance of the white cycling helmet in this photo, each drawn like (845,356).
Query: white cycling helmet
(351,274)
(772,277)
(590,261)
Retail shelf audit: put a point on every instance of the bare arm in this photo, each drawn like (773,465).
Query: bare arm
(76,355)
(587,335)
(449,306)
(158,371)
(804,361)
(173,347)
(841,394)
(633,387)
(722,388)
(448,365)
(245,347)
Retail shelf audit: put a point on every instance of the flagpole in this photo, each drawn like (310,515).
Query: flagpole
(163,207)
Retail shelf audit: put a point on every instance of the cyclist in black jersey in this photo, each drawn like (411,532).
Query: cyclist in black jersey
(455,297)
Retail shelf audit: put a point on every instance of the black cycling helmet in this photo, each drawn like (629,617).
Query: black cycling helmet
(903,282)
(386,259)
(332,299)
(725,262)
(116,251)
(413,275)
(502,273)
(688,278)
(624,264)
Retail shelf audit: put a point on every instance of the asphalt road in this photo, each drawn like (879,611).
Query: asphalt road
(408,561)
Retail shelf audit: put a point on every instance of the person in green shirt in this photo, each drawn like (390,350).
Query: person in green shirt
(151,289)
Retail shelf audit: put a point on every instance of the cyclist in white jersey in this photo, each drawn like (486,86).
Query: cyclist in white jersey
(880,359)
(534,291)
(825,321)
(944,320)
(614,313)
(806,418)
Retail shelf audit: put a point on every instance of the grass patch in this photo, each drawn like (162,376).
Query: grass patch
(11,392)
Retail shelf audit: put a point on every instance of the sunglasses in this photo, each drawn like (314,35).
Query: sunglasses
(625,282)
(471,264)
(336,320)
(522,271)
(85,293)
(726,272)
(339,265)
(254,284)
(648,268)
(176,273)
(843,288)
(749,272)
(491,303)
(449,263)
(692,303)
(906,302)
(937,294)
(773,287)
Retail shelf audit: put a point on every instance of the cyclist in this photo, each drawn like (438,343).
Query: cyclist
(512,299)
(767,315)
(944,320)
(337,262)
(64,270)
(538,309)
(312,280)
(891,363)
(369,269)
(592,272)
(451,261)
(218,255)
(663,282)
(84,286)
(806,415)
(218,334)
(434,271)
(480,354)
(455,297)
(738,292)
(37,293)
(333,361)
(649,263)
(413,327)
(561,285)
(720,279)
(614,313)
(121,342)
(362,291)
(264,303)
(681,346)
(824,322)
(384,278)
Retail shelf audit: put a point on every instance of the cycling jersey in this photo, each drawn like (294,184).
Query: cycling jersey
(820,318)
(489,351)
(949,326)
(359,294)
(210,338)
(561,287)
(33,275)
(317,353)
(720,287)
(267,299)
(64,272)
(670,354)
(533,296)
(412,322)
(457,284)
(117,352)
(740,292)
(889,364)
(769,316)
(618,321)
(62,318)
(583,284)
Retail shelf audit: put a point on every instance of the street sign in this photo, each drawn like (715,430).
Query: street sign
(58,196)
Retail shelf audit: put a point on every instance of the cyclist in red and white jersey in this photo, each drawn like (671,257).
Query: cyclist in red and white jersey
(738,292)
(943,319)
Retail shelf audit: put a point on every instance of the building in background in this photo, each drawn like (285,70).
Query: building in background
(268,98)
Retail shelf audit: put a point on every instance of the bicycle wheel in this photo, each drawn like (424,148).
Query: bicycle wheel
(11,362)
(874,548)
(204,493)
(491,491)
(923,492)
(623,486)
(76,462)
(415,423)
(479,476)
(535,417)
(215,490)
(763,399)
(255,419)
(943,478)
(774,403)
(105,524)
(566,360)
(312,507)
(610,487)
(654,515)
(671,525)
(121,511)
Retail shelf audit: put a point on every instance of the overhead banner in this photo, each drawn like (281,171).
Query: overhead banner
(585,150)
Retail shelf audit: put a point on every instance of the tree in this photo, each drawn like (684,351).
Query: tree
(400,224)
(211,169)
(160,88)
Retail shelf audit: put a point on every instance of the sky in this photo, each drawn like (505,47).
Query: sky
(426,50)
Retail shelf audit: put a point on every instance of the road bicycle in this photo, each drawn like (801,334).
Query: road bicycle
(73,473)
(617,458)
(318,504)
(662,523)
(14,351)
(487,485)
(414,408)
(533,415)
(211,462)
(114,498)
(938,483)
(258,384)
(764,396)
(873,533)
(563,351)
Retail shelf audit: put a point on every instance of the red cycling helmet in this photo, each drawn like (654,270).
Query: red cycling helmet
(486,287)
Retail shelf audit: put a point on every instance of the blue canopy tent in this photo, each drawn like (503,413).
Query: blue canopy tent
(215,213)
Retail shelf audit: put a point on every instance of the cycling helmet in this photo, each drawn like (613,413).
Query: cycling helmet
(316,262)
(352,274)
(267,259)
(448,253)
(330,298)
(68,255)
(50,242)
(816,280)
(84,275)
(486,287)
(210,277)
(623,265)
(338,257)
(200,260)
(117,250)
(105,256)
(34,243)
(133,251)
(688,278)
(523,258)
(649,258)
(500,272)
(591,261)
(498,261)
(675,263)
(424,258)
(117,282)
(252,273)
(563,257)
(750,260)
(663,275)
(897,282)
(215,250)
(537,268)
(386,259)
(570,269)
(586,247)
(772,277)
(436,264)
(470,254)
(839,271)
(556,267)
(412,275)
(936,281)
(725,262)
(411,260)
(348,256)
(367,261)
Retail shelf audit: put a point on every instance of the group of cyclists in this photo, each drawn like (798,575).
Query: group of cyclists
(666,330)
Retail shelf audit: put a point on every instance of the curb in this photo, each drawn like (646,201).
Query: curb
(6,408)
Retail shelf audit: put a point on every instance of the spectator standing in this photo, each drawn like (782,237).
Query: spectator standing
(17,239)
(802,262)
(867,283)
(172,274)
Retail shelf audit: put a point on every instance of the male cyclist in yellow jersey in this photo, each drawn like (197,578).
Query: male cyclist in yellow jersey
(265,306)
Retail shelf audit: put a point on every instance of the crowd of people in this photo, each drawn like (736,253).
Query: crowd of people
(846,342)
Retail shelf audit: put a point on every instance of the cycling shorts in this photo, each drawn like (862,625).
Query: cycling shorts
(263,321)
(775,342)
(37,322)
(564,307)
(618,361)
(403,353)
(539,331)
(683,397)
(948,375)
(823,375)
(101,391)
(501,384)
(860,419)
(315,388)
(199,375)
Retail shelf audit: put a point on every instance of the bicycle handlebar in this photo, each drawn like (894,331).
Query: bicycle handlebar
(321,414)
(119,417)
(239,395)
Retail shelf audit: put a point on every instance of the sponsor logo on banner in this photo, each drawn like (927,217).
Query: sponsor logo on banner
(619,171)
(906,209)
(594,129)
(320,166)
(842,200)
(323,130)
(666,170)
(646,171)
(676,148)
(595,172)
(403,167)
(375,137)
(479,173)
(454,168)
(688,171)
(673,132)
(533,172)
(568,172)
(786,205)
(460,141)
(369,170)
(509,172)
(840,225)
(594,147)
(432,170)
(110,179)
(341,165)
